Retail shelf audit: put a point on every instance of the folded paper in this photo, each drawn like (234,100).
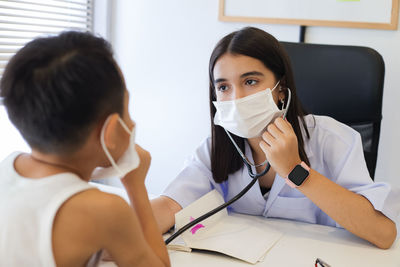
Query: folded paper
(239,237)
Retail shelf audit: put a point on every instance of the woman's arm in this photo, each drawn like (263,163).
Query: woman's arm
(192,182)
(164,209)
(352,211)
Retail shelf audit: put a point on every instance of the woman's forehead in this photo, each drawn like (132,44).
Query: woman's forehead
(232,65)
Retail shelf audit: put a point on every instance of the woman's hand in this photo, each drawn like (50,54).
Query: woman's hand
(280,146)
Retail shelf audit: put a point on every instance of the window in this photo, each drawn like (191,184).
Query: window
(20,22)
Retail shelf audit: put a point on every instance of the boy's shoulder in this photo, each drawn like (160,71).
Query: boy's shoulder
(83,222)
(92,208)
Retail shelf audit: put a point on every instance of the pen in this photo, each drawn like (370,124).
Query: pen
(319,262)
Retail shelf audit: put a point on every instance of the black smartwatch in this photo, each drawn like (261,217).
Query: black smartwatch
(298,175)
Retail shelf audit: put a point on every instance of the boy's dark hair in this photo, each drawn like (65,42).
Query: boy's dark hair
(56,89)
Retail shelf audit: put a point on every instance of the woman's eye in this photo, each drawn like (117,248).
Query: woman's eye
(251,82)
(222,88)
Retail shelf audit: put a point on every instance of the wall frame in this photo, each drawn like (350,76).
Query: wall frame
(372,14)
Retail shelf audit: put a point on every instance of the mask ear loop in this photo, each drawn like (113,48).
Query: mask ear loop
(105,149)
(124,126)
(287,103)
(276,85)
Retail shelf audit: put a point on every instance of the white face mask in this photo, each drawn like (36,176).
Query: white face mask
(127,162)
(247,117)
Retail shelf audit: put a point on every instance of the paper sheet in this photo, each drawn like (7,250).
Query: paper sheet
(177,244)
(242,238)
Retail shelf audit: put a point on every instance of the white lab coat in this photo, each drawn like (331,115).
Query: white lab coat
(334,150)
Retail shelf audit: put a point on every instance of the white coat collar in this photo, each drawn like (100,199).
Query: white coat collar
(277,186)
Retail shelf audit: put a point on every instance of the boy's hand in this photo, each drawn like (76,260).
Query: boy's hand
(139,174)
(106,256)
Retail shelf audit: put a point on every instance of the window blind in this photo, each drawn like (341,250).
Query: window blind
(23,20)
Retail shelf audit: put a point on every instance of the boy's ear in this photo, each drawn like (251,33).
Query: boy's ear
(110,131)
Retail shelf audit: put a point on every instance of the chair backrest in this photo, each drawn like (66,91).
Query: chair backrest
(343,82)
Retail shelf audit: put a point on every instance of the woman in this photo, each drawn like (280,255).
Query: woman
(250,83)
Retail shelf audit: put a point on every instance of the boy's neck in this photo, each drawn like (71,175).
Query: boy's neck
(38,165)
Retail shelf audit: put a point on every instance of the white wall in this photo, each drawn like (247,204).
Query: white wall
(163,48)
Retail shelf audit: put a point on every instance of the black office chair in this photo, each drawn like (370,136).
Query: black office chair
(343,82)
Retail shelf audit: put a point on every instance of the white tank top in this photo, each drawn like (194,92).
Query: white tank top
(27,211)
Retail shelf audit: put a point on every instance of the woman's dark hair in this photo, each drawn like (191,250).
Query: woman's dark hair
(56,89)
(258,44)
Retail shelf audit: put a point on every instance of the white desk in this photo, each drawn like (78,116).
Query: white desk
(301,244)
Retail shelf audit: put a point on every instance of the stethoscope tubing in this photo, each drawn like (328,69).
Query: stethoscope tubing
(214,211)
(254,177)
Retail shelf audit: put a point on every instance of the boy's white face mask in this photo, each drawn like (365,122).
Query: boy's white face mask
(247,117)
(127,162)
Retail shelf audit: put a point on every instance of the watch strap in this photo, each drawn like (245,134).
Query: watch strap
(289,182)
(305,166)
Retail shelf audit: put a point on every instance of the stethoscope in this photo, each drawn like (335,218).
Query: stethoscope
(253,175)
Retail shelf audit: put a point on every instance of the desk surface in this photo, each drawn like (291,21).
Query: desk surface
(300,245)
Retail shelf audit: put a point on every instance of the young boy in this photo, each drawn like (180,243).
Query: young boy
(67,97)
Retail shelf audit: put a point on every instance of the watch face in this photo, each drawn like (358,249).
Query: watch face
(298,175)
